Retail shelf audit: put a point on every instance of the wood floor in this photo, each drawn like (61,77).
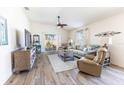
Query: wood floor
(43,74)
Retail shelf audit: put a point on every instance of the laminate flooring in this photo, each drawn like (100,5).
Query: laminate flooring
(42,73)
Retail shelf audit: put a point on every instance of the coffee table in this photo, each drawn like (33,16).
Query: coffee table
(66,55)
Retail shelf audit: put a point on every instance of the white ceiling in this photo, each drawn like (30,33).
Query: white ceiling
(73,16)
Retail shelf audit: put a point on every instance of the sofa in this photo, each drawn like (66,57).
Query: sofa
(81,51)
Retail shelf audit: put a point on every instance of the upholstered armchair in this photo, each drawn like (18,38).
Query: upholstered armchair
(92,64)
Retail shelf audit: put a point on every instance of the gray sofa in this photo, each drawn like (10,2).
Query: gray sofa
(82,51)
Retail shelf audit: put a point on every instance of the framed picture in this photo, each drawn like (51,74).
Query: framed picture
(50,36)
(3,31)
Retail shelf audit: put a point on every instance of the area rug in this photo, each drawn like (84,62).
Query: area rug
(59,65)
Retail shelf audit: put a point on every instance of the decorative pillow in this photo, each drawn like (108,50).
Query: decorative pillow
(85,49)
(88,48)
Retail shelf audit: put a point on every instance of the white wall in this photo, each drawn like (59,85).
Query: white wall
(114,23)
(16,21)
(42,29)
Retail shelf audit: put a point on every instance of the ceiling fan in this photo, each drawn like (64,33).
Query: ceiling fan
(59,24)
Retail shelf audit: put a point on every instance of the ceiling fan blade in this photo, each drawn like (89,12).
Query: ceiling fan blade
(58,24)
(64,24)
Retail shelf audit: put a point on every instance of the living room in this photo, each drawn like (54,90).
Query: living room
(72,31)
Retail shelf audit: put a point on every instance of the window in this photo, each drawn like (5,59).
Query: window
(79,38)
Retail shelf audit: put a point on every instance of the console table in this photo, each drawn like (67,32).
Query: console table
(23,59)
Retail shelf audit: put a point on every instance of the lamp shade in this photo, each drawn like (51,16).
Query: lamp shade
(71,41)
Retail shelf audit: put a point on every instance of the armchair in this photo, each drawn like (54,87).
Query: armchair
(92,65)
